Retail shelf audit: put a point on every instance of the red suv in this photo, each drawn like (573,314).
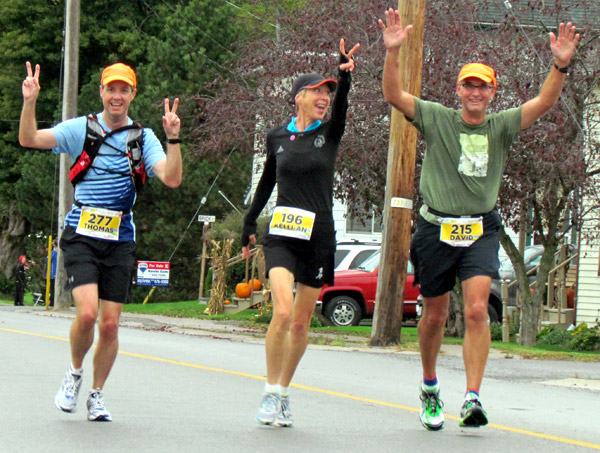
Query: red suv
(352,297)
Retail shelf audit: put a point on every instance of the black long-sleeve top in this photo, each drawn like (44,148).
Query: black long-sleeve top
(302,164)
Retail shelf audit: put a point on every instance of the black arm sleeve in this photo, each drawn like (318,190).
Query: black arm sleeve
(261,197)
(340,102)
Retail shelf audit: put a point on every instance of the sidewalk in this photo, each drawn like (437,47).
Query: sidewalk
(235,331)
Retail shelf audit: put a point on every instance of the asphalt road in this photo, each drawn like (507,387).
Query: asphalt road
(197,391)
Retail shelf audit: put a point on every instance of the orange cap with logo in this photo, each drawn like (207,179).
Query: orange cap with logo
(119,71)
(479,71)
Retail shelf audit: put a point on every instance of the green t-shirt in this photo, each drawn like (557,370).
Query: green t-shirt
(463,164)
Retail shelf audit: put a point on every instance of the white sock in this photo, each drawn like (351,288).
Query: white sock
(75,371)
(272,388)
(431,388)
(285,391)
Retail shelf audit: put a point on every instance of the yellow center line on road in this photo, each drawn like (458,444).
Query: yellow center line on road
(328,392)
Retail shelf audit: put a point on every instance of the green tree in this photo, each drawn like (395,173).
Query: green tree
(174,47)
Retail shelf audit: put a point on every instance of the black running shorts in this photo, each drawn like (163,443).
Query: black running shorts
(437,264)
(109,264)
(311,262)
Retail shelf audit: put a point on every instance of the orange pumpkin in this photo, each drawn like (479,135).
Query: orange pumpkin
(242,290)
(227,302)
(255,284)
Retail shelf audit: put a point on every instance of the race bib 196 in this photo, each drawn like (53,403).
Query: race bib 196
(99,223)
(461,232)
(292,222)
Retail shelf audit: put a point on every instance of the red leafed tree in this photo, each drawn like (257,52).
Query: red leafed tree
(551,167)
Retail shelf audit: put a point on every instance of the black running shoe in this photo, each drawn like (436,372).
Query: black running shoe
(472,414)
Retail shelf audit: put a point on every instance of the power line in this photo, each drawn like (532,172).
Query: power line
(200,30)
(260,19)
(190,45)
(202,202)
(571,114)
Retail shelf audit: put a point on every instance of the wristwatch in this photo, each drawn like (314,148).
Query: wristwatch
(564,70)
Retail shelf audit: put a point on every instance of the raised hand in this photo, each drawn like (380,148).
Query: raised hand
(349,66)
(31,84)
(171,122)
(564,46)
(393,33)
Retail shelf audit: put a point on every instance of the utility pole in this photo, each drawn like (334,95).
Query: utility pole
(65,189)
(397,212)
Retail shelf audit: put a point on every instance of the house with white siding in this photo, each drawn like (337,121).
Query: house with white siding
(588,285)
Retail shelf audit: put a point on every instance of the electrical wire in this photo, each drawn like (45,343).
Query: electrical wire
(202,202)
(217,64)
(508,6)
(260,19)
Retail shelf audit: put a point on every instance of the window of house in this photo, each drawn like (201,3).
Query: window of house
(364,222)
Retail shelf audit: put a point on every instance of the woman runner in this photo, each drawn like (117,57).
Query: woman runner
(299,244)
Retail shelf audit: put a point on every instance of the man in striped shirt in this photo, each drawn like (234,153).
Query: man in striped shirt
(98,240)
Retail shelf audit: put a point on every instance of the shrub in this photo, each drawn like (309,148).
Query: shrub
(552,336)
(585,338)
(496,329)
(7,286)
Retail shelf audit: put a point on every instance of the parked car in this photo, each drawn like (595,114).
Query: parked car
(532,256)
(351,254)
(352,297)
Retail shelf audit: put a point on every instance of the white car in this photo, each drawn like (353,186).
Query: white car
(350,255)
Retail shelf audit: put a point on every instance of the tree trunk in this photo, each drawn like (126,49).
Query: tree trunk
(530,319)
(456,314)
(11,240)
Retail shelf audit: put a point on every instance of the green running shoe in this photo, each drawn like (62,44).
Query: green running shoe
(431,414)
(472,414)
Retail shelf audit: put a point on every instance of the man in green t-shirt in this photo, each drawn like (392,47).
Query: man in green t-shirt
(458,232)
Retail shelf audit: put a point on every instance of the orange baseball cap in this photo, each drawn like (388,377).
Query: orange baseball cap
(119,71)
(479,71)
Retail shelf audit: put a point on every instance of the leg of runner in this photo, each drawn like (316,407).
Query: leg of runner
(108,341)
(297,339)
(276,342)
(431,334)
(104,358)
(304,307)
(476,346)
(81,339)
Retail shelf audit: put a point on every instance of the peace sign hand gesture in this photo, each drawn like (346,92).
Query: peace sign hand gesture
(171,122)
(31,84)
(348,66)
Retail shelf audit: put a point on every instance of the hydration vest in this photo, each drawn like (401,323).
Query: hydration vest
(95,136)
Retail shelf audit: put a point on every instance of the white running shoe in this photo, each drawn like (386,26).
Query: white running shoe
(269,409)
(285,417)
(66,398)
(95,405)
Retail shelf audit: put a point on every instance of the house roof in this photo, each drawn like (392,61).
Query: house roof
(528,12)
